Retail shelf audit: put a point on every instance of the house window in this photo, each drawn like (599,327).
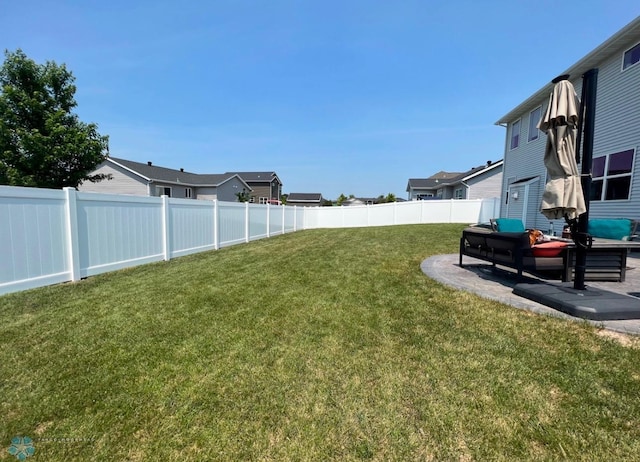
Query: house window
(163,191)
(612,176)
(534,118)
(631,57)
(422,197)
(187,193)
(263,200)
(515,134)
(457,194)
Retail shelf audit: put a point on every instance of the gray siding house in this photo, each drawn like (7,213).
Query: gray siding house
(305,199)
(135,178)
(616,170)
(266,187)
(481,182)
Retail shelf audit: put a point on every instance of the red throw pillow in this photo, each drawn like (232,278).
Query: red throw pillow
(548,249)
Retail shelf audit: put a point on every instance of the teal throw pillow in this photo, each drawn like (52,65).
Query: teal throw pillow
(510,225)
(610,228)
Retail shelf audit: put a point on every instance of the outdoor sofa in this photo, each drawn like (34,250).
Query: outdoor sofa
(513,250)
(606,259)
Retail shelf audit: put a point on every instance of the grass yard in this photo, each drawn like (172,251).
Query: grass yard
(318,345)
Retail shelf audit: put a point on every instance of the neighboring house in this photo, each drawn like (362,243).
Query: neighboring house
(359,201)
(478,183)
(128,177)
(616,170)
(266,187)
(305,199)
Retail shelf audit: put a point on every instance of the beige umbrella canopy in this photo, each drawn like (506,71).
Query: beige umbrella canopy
(563,197)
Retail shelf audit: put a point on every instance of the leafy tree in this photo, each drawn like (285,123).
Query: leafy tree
(243,196)
(390,198)
(42,143)
(341,199)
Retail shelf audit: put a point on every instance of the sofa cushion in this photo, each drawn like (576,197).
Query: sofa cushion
(509,225)
(610,228)
(548,249)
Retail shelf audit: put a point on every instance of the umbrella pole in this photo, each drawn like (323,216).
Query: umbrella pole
(583,241)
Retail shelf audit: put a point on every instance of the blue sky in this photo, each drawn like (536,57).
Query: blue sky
(351,97)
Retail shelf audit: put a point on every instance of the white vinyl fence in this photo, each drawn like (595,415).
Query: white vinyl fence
(50,236)
(404,213)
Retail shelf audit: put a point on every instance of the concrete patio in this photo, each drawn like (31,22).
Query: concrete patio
(479,277)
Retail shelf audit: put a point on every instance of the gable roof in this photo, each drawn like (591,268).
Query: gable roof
(625,38)
(423,183)
(304,197)
(150,172)
(256,177)
(441,179)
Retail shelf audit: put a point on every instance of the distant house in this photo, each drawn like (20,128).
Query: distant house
(480,182)
(615,190)
(305,199)
(266,187)
(135,178)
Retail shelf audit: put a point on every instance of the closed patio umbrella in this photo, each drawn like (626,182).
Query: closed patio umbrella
(563,196)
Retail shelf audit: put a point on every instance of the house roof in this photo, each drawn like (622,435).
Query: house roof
(304,197)
(152,172)
(441,179)
(423,183)
(257,177)
(624,39)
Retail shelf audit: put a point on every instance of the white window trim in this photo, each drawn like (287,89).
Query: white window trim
(162,188)
(622,68)
(188,193)
(458,193)
(263,200)
(519,122)
(537,130)
(605,177)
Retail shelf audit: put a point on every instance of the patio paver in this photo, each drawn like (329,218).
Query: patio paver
(477,276)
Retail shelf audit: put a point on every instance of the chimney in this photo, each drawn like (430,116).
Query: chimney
(488,163)
(181,169)
(149,163)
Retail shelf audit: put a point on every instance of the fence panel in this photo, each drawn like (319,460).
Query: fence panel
(409,212)
(231,219)
(34,247)
(117,231)
(258,218)
(275,219)
(190,226)
(301,217)
(289,218)
(381,215)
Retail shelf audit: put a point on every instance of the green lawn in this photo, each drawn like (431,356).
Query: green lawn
(318,345)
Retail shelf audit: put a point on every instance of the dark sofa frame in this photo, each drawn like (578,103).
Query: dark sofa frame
(606,260)
(511,250)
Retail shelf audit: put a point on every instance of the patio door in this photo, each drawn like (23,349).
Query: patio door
(523,200)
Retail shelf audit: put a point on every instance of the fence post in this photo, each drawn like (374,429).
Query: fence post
(283,213)
(295,218)
(246,222)
(73,252)
(216,225)
(166,251)
(450,210)
(268,220)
